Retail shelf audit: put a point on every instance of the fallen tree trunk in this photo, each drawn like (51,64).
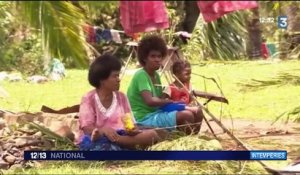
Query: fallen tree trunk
(67,110)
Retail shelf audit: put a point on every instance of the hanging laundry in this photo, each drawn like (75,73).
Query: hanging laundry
(143,16)
(90,33)
(95,34)
(116,36)
(98,35)
(103,35)
(106,35)
(212,10)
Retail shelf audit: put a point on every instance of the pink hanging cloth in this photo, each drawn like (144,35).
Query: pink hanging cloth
(143,16)
(212,10)
(90,33)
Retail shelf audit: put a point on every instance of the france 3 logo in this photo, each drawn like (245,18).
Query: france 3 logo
(282,22)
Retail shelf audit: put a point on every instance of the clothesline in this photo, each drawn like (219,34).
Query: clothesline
(97,34)
(147,16)
(134,18)
(98,27)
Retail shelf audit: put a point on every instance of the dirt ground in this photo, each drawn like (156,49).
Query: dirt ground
(258,135)
(255,134)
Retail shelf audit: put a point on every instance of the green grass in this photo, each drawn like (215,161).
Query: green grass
(257,104)
(254,103)
(263,102)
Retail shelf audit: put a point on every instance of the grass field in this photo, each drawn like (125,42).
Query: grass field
(248,98)
(261,102)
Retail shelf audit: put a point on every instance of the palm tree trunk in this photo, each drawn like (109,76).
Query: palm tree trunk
(254,34)
(293,27)
(293,15)
(191,16)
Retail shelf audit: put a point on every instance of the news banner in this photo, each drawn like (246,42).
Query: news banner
(156,155)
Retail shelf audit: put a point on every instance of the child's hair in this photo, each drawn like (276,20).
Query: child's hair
(179,66)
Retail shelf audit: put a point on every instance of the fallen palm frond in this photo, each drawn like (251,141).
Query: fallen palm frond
(193,142)
(238,141)
(293,113)
(188,143)
(280,80)
(60,142)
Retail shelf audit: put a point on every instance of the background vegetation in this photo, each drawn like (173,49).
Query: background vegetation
(33,32)
(45,30)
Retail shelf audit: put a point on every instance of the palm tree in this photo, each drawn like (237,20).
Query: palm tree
(191,16)
(58,23)
(293,29)
(290,38)
(254,35)
(292,11)
(222,39)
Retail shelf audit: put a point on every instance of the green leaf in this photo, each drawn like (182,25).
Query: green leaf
(222,39)
(60,23)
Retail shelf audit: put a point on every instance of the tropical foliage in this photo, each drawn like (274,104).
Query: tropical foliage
(56,28)
(219,42)
(59,23)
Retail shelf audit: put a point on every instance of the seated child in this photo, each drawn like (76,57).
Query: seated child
(176,92)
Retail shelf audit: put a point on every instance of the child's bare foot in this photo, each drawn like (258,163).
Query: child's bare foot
(95,135)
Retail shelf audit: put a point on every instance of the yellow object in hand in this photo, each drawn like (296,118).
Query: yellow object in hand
(129,126)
